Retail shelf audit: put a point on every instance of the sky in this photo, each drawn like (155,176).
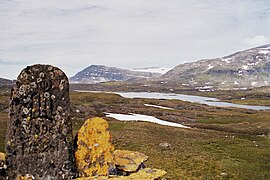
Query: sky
(73,34)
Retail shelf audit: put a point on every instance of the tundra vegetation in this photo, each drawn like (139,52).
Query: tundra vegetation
(222,143)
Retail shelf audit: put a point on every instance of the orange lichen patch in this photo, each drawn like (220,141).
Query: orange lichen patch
(2,156)
(94,152)
(129,161)
(26,177)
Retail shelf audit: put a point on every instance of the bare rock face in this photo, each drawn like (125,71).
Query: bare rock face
(129,161)
(94,151)
(39,139)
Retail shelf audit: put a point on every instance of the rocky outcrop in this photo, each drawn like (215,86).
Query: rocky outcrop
(95,158)
(39,141)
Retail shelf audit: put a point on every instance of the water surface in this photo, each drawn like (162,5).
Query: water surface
(190,98)
(183,97)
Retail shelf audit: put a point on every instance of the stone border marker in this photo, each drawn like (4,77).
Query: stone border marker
(39,137)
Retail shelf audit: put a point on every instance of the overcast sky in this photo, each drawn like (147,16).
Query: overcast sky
(73,34)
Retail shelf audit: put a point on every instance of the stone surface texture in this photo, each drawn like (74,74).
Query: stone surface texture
(143,174)
(129,161)
(39,140)
(94,149)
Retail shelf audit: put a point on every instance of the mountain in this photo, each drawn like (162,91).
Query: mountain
(152,70)
(245,69)
(100,73)
(4,82)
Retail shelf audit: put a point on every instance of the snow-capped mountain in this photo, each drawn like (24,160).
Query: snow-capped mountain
(249,68)
(152,69)
(100,73)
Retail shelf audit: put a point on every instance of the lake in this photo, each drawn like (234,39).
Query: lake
(183,97)
(190,98)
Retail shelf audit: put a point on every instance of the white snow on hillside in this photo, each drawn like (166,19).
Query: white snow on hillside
(152,70)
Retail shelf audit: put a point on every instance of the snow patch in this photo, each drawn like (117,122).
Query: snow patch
(245,67)
(210,66)
(264,51)
(254,83)
(227,60)
(235,82)
(156,106)
(141,117)
(152,70)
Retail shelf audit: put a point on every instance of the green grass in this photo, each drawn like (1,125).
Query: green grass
(222,140)
(196,153)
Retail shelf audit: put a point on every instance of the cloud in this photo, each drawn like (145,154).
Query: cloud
(257,40)
(75,34)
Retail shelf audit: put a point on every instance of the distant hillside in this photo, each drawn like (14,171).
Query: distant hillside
(4,82)
(152,70)
(249,68)
(100,73)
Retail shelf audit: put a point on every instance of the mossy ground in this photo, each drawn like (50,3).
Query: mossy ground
(222,140)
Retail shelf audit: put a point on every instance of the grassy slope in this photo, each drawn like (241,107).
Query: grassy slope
(227,140)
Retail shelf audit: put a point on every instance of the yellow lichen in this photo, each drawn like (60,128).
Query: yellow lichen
(146,174)
(2,156)
(143,174)
(26,177)
(129,161)
(94,152)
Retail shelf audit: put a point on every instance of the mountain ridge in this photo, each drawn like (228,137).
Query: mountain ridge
(248,68)
(101,73)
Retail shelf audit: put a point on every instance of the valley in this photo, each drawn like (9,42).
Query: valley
(221,143)
(182,119)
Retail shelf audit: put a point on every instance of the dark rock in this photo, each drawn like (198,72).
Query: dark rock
(39,136)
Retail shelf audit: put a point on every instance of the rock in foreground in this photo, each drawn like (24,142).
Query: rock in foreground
(94,152)
(39,135)
(129,161)
(143,174)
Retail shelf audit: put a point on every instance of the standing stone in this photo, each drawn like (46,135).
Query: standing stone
(94,152)
(39,136)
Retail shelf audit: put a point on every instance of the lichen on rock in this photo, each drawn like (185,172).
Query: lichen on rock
(129,161)
(146,174)
(26,177)
(143,174)
(39,135)
(3,166)
(94,149)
